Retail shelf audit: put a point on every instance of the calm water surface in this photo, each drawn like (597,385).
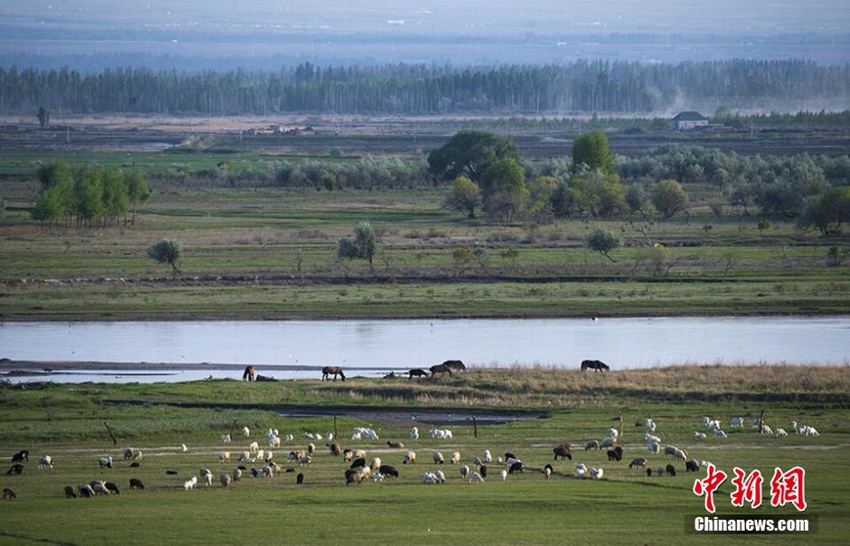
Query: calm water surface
(287,349)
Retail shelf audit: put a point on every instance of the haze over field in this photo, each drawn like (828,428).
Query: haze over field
(91,34)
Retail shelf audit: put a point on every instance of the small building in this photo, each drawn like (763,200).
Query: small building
(687,121)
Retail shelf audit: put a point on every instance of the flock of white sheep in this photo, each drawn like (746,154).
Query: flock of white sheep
(357,470)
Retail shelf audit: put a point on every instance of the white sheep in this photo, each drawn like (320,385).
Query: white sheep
(654,447)
(780,433)
(409,457)
(464,471)
(766,430)
(105,462)
(224,479)
(650,438)
(190,483)
(45,461)
(237,474)
(223,456)
(455,458)
(131,453)
(375,464)
(440,476)
(414,433)
(581,467)
(253,447)
(431,478)
(699,435)
(608,441)
(208,478)
(475,477)
(274,441)
(438,458)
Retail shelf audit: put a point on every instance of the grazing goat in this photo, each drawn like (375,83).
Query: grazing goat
(223,456)
(613,455)
(692,465)
(299,479)
(353,477)
(438,457)
(638,462)
(488,457)
(375,465)
(105,462)
(455,458)
(548,471)
(21,456)
(99,487)
(562,452)
(409,457)
(596,472)
(359,462)
(608,441)
(132,453)
(335,449)
(225,438)
(414,433)
(69,492)
(671,470)
(654,447)
(85,490)
(136,483)
(475,477)
(593,444)
(483,470)
(224,479)
(190,483)
(9,493)
(516,468)
(15,470)
(45,461)
(464,471)
(246,432)
(237,474)
(736,422)
(699,435)
(388,470)
(504,475)
(650,424)
(112,487)
(431,478)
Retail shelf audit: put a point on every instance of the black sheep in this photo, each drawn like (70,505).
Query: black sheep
(15,470)
(388,470)
(21,456)
(671,470)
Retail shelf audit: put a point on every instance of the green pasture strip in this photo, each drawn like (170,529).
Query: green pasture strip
(67,422)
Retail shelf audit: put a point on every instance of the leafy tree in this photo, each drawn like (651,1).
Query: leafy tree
(43,116)
(637,198)
(56,199)
(826,212)
(602,241)
(592,150)
(504,189)
(138,191)
(470,152)
(364,244)
(88,193)
(464,196)
(669,198)
(167,251)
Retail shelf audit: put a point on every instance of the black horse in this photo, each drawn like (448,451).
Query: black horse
(597,365)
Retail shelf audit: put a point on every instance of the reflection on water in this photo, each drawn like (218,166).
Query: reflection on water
(285,348)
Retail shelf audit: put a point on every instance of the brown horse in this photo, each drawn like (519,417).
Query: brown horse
(249,373)
(328,371)
(440,368)
(455,365)
(417,372)
(597,365)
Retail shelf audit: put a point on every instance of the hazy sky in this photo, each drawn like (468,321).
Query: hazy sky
(423,30)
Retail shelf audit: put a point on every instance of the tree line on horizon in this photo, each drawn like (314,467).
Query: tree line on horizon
(581,86)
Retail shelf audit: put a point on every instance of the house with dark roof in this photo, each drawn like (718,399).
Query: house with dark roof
(687,121)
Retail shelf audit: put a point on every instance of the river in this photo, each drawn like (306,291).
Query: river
(292,349)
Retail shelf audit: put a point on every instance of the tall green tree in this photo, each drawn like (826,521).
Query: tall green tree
(592,151)
(504,189)
(470,153)
(602,241)
(669,198)
(364,244)
(138,191)
(167,251)
(464,196)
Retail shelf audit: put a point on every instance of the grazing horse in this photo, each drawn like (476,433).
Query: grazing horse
(249,373)
(328,371)
(417,372)
(440,368)
(455,365)
(597,365)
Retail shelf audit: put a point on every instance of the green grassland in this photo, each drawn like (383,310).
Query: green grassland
(266,252)
(625,507)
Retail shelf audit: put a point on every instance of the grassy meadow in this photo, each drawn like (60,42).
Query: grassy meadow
(550,407)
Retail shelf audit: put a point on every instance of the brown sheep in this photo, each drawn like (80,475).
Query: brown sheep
(69,492)
(563,452)
(353,477)
(136,483)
